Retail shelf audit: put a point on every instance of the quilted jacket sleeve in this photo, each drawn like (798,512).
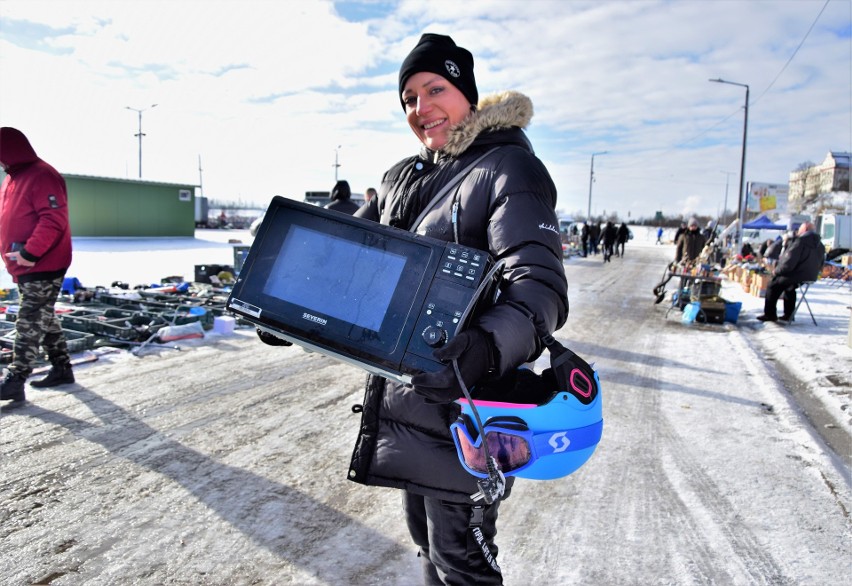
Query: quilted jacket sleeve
(523,232)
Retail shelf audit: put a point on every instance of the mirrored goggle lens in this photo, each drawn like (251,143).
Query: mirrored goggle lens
(510,451)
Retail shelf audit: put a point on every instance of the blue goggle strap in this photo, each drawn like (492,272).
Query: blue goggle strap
(569,440)
(543,444)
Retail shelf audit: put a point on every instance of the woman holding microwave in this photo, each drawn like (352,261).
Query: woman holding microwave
(504,204)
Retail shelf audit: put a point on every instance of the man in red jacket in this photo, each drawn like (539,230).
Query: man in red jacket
(35,241)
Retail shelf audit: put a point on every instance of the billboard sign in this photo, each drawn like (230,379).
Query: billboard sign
(767,197)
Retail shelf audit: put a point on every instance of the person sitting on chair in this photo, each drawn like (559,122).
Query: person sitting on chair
(801,261)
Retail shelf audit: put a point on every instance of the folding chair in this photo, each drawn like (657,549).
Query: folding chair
(803,292)
(840,275)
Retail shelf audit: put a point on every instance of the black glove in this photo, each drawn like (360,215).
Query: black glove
(474,352)
(271,340)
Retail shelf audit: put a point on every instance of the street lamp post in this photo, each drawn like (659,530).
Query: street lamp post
(336,164)
(725,208)
(592,180)
(741,200)
(140,134)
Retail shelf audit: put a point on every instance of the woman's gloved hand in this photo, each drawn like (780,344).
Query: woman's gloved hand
(474,352)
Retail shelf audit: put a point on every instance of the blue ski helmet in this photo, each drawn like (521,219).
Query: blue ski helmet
(539,441)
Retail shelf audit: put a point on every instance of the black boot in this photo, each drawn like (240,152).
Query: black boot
(58,375)
(12,387)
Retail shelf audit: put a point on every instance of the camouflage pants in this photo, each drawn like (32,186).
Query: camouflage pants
(37,326)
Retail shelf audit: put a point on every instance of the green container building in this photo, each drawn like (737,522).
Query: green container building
(104,206)
(100,206)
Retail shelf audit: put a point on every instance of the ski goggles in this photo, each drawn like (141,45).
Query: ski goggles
(513,445)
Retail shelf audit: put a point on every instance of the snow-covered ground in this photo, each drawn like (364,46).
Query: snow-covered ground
(226,463)
(819,355)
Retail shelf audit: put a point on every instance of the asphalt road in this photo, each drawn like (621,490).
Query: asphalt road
(225,463)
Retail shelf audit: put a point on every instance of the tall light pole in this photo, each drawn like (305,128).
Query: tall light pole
(592,180)
(725,208)
(200,178)
(741,201)
(336,164)
(140,134)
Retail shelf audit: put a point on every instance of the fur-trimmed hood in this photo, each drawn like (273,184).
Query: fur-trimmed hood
(495,112)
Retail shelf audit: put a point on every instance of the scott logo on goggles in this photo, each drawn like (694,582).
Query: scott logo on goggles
(559,446)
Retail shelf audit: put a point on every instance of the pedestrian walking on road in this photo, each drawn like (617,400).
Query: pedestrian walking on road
(505,205)
(622,236)
(608,236)
(35,238)
(594,237)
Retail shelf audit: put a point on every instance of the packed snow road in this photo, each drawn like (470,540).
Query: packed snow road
(225,463)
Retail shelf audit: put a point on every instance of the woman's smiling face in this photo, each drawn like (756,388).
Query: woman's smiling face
(432,106)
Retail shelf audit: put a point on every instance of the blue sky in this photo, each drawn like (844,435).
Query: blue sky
(268,93)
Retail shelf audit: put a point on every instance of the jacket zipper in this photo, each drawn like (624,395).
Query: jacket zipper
(455,218)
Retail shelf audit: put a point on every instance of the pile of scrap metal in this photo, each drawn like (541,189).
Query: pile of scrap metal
(132,318)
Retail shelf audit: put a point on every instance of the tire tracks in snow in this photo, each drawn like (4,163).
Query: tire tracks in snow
(681,515)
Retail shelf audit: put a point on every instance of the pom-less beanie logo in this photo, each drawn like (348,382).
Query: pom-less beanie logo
(452,68)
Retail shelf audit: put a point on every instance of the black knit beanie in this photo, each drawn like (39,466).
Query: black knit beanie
(439,54)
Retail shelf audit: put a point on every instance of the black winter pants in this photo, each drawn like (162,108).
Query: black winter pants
(453,553)
(780,287)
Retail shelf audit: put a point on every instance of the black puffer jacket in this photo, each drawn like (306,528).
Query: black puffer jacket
(802,260)
(505,205)
(609,234)
(340,199)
